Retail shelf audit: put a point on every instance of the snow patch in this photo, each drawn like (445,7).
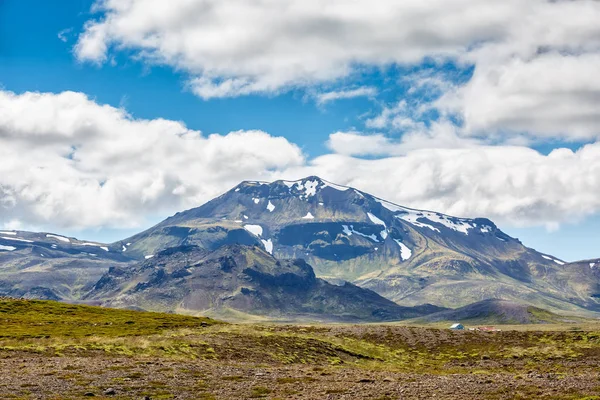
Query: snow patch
(149,257)
(124,249)
(270,206)
(308,216)
(237,190)
(16,239)
(349,231)
(320,203)
(405,252)
(255,200)
(61,238)
(7,248)
(245,216)
(412,216)
(104,248)
(592,265)
(377,221)
(268,245)
(256,230)
(553,259)
(311,188)
(8,233)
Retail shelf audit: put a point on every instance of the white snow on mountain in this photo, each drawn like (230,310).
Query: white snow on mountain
(349,231)
(16,239)
(553,259)
(270,206)
(268,245)
(7,248)
(405,252)
(308,216)
(256,230)
(8,233)
(377,221)
(61,238)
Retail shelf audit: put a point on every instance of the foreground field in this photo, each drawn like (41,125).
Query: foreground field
(56,351)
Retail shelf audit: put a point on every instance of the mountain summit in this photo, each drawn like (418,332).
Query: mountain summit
(407,255)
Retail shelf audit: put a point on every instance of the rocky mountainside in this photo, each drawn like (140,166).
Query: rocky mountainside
(238,281)
(50,266)
(409,256)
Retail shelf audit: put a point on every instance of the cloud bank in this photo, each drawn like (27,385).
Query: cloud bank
(69,162)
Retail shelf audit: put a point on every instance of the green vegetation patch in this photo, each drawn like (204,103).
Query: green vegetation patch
(21,319)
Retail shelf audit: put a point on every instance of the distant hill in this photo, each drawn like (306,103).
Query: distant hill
(494,311)
(245,280)
(53,267)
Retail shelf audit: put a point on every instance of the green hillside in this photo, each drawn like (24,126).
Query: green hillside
(46,319)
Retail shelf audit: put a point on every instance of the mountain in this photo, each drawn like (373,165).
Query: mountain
(494,311)
(240,281)
(50,266)
(409,256)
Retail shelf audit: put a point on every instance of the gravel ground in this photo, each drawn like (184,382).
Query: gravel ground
(31,376)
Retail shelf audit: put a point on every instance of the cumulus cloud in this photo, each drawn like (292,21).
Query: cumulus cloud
(534,62)
(70,162)
(550,96)
(509,184)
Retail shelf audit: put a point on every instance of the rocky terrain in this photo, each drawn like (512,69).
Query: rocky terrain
(495,311)
(241,282)
(47,351)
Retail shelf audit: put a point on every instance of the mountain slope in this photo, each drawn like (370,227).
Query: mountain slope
(409,256)
(494,311)
(50,266)
(241,279)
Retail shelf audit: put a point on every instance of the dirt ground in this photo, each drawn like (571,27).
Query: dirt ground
(41,377)
(76,356)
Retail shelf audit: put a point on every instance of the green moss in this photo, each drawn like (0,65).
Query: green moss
(23,319)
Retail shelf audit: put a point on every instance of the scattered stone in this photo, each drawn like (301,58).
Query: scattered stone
(110,392)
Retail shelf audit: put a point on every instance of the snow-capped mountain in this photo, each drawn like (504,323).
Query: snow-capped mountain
(410,256)
(51,266)
(407,255)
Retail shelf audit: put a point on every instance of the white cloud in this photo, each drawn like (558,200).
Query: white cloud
(550,96)
(509,184)
(327,97)
(63,35)
(70,162)
(439,135)
(535,61)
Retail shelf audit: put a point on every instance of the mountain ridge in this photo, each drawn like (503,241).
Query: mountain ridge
(407,255)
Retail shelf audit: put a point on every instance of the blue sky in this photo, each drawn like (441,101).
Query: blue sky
(435,94)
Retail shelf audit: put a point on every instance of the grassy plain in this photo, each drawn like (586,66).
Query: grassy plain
(51,350)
